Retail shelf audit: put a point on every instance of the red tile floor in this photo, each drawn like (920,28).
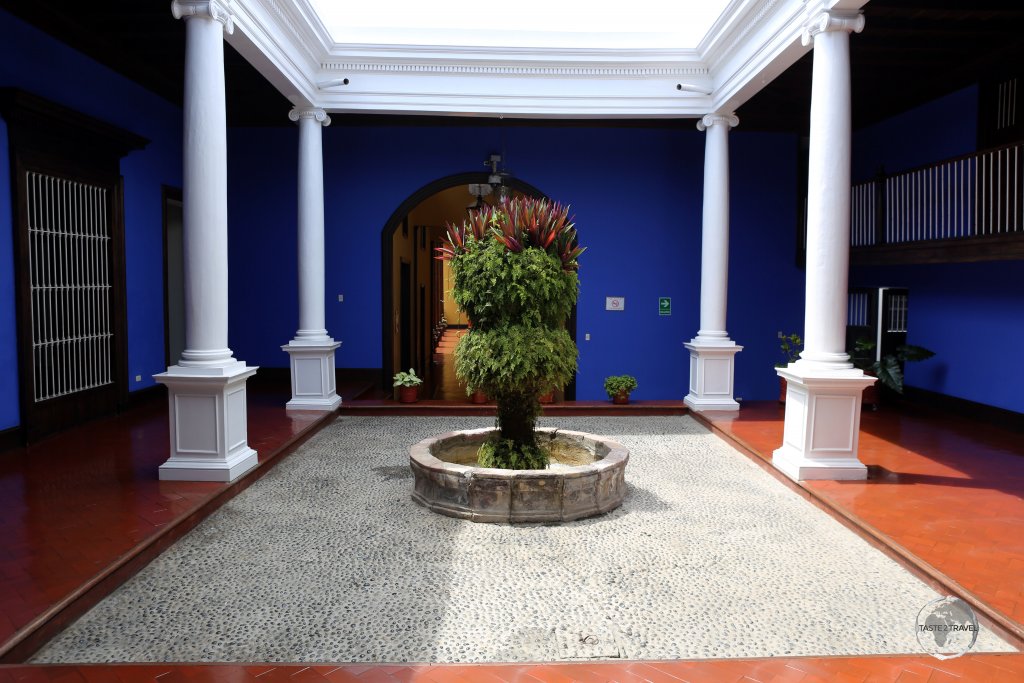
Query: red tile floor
(83,510)
(942,490)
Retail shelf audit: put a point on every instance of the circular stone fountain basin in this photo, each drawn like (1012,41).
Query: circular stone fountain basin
(560,493)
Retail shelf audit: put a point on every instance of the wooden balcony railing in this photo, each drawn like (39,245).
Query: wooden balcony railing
(970,208)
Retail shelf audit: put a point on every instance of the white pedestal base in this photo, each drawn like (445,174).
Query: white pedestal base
(313,381)
(822,426)
(209,431)
(711,375)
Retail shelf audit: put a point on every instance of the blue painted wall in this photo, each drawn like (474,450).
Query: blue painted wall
(263,311)
(972,316)
(766,289)
(943,128)
(636,194)
(31,60)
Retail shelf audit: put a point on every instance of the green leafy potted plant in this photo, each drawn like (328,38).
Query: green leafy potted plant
(408,386)
(790,345)
(619,387)
(888,369)
(514,268)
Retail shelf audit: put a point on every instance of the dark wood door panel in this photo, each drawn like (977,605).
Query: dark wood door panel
(69,262)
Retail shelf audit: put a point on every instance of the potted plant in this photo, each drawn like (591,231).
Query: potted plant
(514,267)
(408,386)
(619,387)
(888,369)
(790,345)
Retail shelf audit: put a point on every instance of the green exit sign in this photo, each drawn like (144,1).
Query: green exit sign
(664,305)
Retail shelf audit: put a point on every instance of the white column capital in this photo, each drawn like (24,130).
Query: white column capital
(831,21)
(709,120)
(217,10)
(314,113)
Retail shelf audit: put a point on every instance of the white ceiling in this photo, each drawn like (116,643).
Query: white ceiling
(531,58)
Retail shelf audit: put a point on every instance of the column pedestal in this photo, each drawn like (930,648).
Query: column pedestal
(822,426)
(711,375)
(313,380)
(209,431)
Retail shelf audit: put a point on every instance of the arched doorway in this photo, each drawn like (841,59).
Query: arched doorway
(412,281)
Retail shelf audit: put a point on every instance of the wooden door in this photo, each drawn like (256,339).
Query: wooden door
(69,261)
(71,330)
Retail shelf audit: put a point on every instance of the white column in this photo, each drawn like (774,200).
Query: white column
(712,353)
(312,350)
(823,397)
(207,399)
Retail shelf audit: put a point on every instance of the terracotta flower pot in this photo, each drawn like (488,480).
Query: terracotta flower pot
(408,394)
(547,398)
(479,396)
(621,398)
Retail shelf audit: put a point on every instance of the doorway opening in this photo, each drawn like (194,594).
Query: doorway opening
(420,320)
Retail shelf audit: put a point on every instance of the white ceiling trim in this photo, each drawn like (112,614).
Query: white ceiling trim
(758,52)
(738,20)
(517,106)
(341,68)
(512,54)
(750,44)
(269,39)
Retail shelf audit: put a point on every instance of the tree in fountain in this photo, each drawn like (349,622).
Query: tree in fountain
(515,278)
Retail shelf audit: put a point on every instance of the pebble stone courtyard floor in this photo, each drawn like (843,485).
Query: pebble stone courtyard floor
(327,559)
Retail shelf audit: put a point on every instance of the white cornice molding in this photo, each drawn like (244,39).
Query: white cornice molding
(709,120)
(518,106)
(530,82)
(305,21)
(269,40)
(481,91)
(761,45)
(299,28)
(547,55)
(740,18)
(216,10)
(744,50)
(314,113)
(699,71)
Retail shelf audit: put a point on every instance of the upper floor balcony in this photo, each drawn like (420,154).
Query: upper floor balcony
(969,208)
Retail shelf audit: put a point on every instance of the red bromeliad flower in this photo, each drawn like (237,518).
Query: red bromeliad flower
(519,223)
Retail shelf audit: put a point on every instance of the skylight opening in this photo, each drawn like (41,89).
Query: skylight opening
(555,24)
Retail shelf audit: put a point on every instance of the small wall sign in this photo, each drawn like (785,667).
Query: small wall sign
(615,303)
(664,305)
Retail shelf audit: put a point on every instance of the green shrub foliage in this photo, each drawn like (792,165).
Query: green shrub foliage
(515,279)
